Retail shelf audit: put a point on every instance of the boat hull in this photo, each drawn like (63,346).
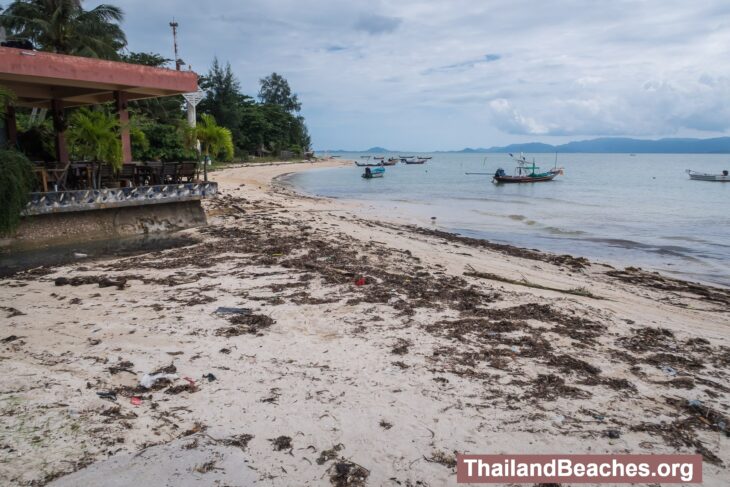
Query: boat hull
(524,179)
(700,176)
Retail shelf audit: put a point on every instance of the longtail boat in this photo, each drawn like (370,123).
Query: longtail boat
(525,173)
(703,176)
(368,164)
(413,161)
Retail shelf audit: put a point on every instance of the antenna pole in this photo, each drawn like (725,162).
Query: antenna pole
(174,26)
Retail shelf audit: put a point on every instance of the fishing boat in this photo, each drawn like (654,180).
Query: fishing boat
(368,164)
(703,176)
(390,162)
(377,172)
(414,160)
(526,172)
(378,158)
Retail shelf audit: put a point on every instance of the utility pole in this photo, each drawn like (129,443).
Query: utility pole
(178,61)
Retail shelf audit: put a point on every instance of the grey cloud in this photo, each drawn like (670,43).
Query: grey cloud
(570,68)
(487,58)
(377,24)
(657,107)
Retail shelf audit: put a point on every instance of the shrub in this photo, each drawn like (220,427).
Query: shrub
(16,182)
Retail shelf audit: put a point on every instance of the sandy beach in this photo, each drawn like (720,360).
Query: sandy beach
(314,343)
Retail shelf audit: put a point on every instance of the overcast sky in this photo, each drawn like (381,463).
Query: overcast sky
(441,75)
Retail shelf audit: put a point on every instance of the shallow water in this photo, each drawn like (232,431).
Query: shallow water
(17,261)
(625,210)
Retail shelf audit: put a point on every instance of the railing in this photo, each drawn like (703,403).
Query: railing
(97,199)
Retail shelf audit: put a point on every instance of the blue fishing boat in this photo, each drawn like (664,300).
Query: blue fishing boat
(376,172)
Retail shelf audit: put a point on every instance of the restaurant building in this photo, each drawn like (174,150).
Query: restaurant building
(151,197)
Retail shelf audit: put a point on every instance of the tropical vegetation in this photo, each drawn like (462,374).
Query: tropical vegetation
(231,124)
(94,135)
(16,182)
(65,27)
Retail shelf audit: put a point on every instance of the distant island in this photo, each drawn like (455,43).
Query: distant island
(616,145)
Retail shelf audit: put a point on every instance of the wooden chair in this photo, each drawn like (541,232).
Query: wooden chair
(106,176)
(168,172)
(149,173)
(57,175)
(128,174)
(187,172)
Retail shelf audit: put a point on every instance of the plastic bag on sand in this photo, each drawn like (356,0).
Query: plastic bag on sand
(149,380)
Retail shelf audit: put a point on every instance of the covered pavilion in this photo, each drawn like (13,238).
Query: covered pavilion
(58,81)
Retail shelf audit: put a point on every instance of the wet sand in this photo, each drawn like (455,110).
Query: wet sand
(365,351)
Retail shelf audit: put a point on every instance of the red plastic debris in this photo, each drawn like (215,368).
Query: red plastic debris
(136,400)
(360,282)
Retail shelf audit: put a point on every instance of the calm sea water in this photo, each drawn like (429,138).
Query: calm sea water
(624,210)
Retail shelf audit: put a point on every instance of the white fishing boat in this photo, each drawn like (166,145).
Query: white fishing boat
(703,176)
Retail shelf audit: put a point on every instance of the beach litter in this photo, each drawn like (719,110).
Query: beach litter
(360,282)
(111,395)
(210,377)
(224,310)
(149,380)
(136,401)
(613,434)
(670,371)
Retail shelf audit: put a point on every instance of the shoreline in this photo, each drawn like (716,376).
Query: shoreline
(404,218)
(450,344)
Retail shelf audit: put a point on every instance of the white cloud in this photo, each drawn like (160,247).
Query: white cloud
(415,73)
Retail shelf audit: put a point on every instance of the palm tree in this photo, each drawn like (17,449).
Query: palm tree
(63,26)
(214,140)
(94,136)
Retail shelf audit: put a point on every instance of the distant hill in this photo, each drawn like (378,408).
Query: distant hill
(720,145)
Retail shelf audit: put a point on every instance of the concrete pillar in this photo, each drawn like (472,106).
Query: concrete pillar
(11,126)
(121,104)
(192,114)
(59,126)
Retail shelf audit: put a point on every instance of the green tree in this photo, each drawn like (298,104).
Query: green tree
(275,90)
(63,26)
(215,141)
(224,100)
(94,135)
(165,143)
(16,182)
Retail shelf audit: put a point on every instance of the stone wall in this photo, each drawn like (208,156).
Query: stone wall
(47,230)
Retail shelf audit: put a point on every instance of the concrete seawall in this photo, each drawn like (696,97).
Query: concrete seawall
(102,224)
